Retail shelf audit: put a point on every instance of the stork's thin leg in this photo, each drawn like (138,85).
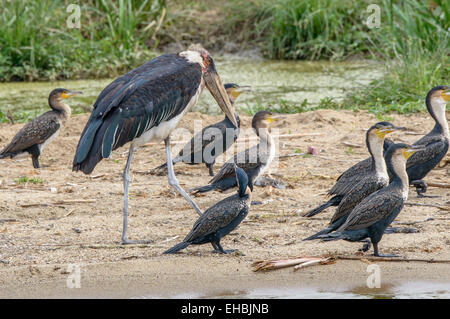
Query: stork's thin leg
(35,162)
(126,184)
(173,180)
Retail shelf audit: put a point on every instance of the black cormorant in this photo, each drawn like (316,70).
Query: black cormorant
(375,213)
(220,219)
(358,172)
(145,105)
(38,133)
(213,140)
(436,142)
(376,178)
(254,160)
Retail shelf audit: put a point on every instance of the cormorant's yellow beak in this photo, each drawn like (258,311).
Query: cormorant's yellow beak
(410,151)
(235,92)
(446,95)
(66,95)
(381,132)
(274,117)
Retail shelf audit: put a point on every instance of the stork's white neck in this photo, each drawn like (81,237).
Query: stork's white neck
(193,57)
(376,147)
(438,106)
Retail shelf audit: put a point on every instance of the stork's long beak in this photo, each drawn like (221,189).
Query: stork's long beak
(215,86)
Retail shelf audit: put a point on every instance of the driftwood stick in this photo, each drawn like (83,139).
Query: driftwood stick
(395,259)
(429,205)
(413,223)
(440,185)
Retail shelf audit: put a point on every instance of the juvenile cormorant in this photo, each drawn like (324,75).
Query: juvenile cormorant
(38,133)
(436,142)
(376,178)
(213,140)
(220,219)
(145,105)
(360,171)
(375,213)
(254,160)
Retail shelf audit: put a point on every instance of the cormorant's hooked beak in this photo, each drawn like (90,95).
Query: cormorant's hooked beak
(413,149)
(239,90)
(66,95)
(275,117)
(381,132)
(446,95)
(215,86)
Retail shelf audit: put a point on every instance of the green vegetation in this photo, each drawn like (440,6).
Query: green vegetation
(36,42)
(26,180)
(115,36)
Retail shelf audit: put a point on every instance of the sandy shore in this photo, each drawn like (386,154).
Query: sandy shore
(70,218)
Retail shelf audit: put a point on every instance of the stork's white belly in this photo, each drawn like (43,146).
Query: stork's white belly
(160,132)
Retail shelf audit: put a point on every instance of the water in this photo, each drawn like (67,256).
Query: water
(273,83)
(407,290)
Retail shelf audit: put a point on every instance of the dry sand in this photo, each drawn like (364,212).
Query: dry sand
(42,231)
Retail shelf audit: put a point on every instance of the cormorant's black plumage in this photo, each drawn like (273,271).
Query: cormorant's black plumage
(253,160)
(41,130)
(374,214)
(220,219)
(358,181)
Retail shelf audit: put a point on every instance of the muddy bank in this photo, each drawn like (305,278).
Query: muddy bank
(70,218)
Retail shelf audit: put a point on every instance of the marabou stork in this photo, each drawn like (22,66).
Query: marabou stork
(145,105)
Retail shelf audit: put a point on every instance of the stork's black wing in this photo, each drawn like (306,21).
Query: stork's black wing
(155,92)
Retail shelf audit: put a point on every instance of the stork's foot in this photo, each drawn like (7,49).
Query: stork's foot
(421,188)
(400,230)
(126,241)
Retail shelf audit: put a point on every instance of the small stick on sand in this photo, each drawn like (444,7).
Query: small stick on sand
(265,265)
(429,205)
(397,259)
(440,185)
(413,223)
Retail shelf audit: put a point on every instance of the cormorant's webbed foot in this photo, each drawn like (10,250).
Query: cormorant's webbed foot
(366,246)
(376,254)
(421,188)
(400,230)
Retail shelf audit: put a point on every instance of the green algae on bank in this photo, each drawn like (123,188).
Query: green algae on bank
(287,86)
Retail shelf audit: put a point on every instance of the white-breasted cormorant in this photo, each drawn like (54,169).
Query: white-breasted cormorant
(38,133)
(220,219)
(375,213)
(376,178)
(436,142)
(213,140)
(145,105)
(358,172)
(254,160)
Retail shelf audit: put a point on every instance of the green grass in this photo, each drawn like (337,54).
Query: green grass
(36,43)
(26,180)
